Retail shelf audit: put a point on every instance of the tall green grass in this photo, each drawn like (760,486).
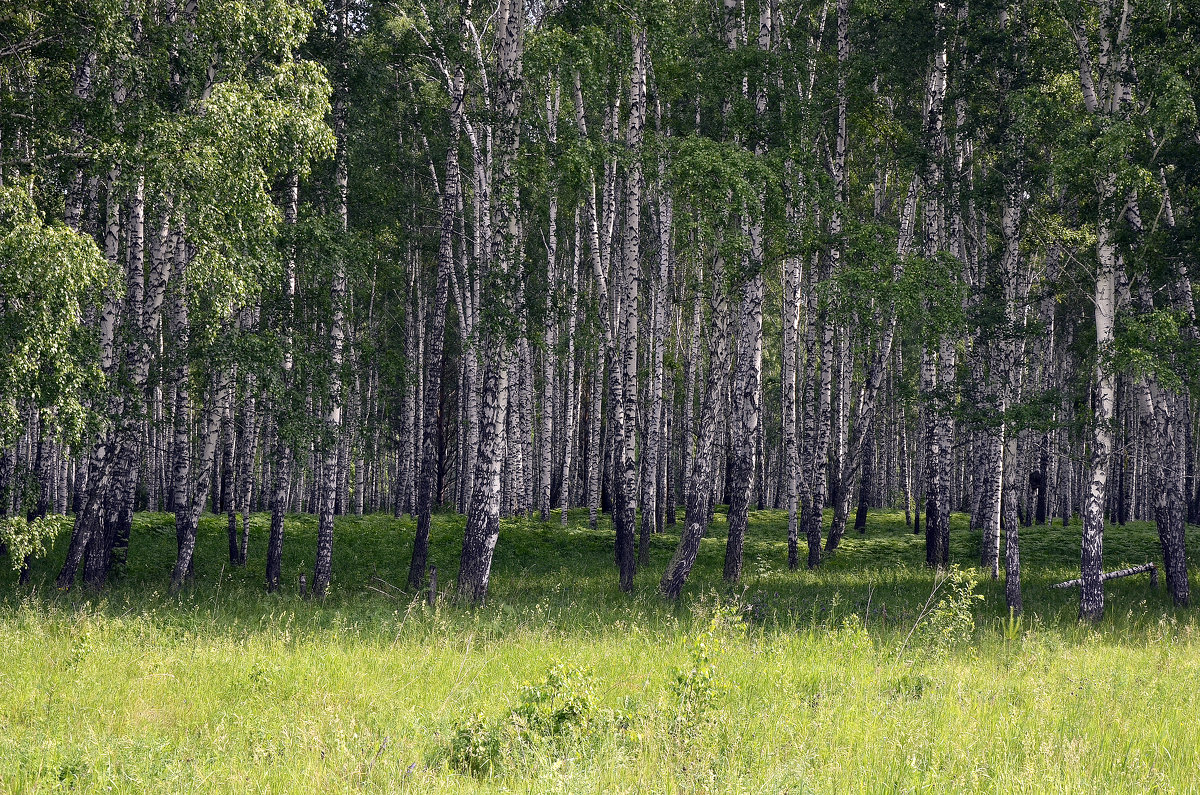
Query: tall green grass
(846,679)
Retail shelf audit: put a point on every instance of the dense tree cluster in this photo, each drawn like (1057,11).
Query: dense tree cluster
(515,258)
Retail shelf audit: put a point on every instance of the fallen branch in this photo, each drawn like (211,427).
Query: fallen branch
(1112,575)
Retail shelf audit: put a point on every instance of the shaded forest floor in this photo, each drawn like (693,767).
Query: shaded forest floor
(851,678)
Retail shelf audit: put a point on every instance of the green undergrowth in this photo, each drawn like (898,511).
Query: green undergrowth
(870,674)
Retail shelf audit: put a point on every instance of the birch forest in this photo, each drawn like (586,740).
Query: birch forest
(641,263)
(581,396)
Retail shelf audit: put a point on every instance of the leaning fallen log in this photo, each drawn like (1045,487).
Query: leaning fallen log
(1112,575)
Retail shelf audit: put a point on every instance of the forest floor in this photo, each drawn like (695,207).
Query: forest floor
(838,680)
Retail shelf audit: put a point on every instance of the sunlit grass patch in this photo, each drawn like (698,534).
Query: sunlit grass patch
(831,680)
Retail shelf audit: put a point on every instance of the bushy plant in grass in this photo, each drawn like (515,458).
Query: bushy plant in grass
(910,685)
(477,746)
(949,622)
(554,720)
(696,687)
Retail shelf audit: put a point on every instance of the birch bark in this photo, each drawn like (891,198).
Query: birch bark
(792,278)
(654,458)
(625,517)
(483,520)
(437,333)
(698,489)
(747,388)
(1104,94)
(195,494)
(281,485)
(570,412)
(323,566)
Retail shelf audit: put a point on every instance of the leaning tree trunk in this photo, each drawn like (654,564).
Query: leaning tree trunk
(698,491)
(435,344)
(483,519)
(195,493)
(91,531)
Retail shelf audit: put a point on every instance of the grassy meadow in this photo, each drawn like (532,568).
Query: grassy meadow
(848,679)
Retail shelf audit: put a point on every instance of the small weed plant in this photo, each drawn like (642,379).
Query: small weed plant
(696,687)
(910,685)
(948,622)
(1010,627)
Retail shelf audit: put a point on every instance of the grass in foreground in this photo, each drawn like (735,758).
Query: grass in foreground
(828,681)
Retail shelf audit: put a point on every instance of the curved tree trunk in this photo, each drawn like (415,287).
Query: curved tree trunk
(483,519)
(434,347)
(698,491)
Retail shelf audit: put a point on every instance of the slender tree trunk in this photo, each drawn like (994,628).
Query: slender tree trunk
(929,383)
(820,448)
(1091,600)
(247,450)
(569,412)
(323,567)
(792,277)
(525,420)
(281,487)
(594,448)
(748,411)
(225,503)
(867,484)
(654,458)
(698,491)
(191,502)
(1015,274)
(625,477)
(1104,94)
(437,333)
(747,386)
(483,520)
(549,392)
